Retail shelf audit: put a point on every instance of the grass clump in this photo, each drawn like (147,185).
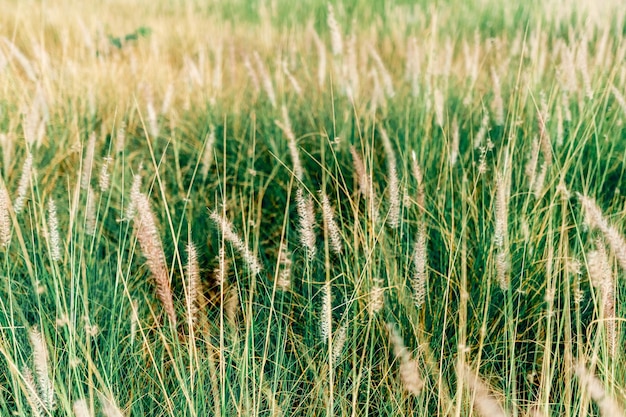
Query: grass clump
(312,209)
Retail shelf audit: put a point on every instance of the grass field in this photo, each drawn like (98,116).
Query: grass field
(276,208)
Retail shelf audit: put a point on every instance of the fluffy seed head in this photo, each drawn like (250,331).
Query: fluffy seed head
(81,409)
(109,408)
(339,340)
(326,316)
(336,41)
(330,225)
(34,400)
(609,407)
(306,215)
(53,231)
(268,86)
(420,265)
(376,296)
(284,274)
(40,361)
(193,283)
(5,215)
(595,219)
(485,402)
(419,179)
(23,184)
(285,126)
(135,191)
(410,375)
(152,249)
(104,179)
(227,229)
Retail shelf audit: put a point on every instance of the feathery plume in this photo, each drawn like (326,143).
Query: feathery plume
(120,139)
(419,179)
(351,68)
(53,231)
(81,409)
(221,271)
(34,400)
(193,283)
(104,180)
(336,41)
(539,180)
(380,66)
(109,408)
(485,402)
(583,67)
(85,178)
(33,125)
(376,296)
(306,216)
(265,79)
(5,216)
(609,407)
(131,208)
(292,80)
(7,143)
(501,212)
(568,69)
(40,361)
(500,237)
(363,178)
(482,131)
(394,182)
(567,113)
(339,341)
(152,249)
(321,52)
(285,126)
(409,368)
(252,74)
(23,184)
(601,277)
(284,262)
(228,232)
(330,225)
(90,209)
(21,58)
(231,304)
(595,219)
(412,71)
(420,265)
(326,316)
(207,154)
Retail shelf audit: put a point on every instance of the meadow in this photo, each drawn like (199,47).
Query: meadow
(276,208)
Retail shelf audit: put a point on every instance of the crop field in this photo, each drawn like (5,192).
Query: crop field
(303,208)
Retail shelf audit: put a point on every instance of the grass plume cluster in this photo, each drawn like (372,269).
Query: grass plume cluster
(312,208)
